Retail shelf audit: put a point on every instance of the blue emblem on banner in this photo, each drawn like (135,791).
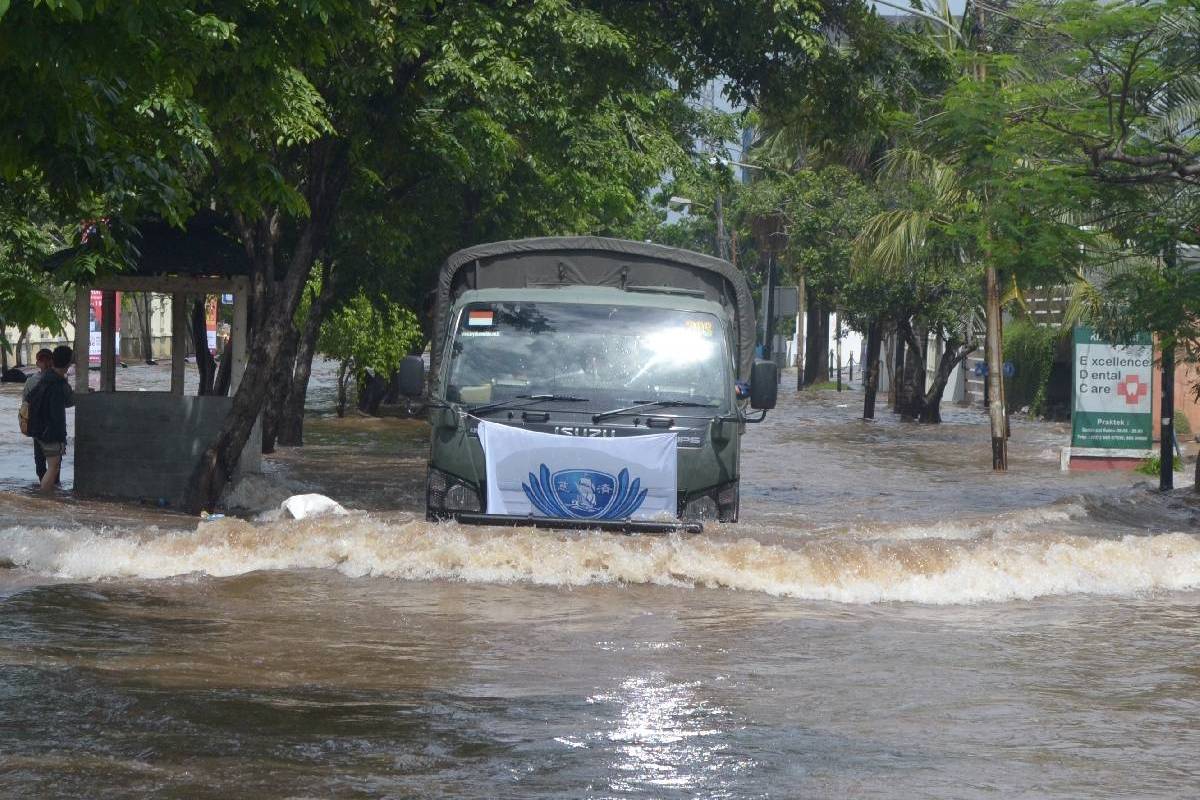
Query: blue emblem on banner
(584,493)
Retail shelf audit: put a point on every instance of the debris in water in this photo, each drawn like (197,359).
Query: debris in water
(302,506)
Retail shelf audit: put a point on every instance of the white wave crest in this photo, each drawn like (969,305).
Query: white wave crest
(1010,522)
(1001,565)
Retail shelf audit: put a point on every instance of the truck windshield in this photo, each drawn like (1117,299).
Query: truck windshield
(606,354)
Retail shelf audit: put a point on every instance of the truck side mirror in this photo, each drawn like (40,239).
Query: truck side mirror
(764,385)
(412,376)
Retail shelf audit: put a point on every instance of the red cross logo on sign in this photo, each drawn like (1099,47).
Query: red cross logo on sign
(1132,389)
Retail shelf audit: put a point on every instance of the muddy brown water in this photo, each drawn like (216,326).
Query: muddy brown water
(889,620)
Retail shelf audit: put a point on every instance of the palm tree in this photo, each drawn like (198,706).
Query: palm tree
(965,39)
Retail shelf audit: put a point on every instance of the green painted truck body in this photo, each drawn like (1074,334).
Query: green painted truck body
(515,321)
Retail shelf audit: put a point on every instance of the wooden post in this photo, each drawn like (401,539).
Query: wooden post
(108,341)
(179,338)
(240,331)
(83,336)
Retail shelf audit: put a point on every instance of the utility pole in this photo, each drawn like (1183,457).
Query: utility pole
(1166,430)
(1166,445)
(993,345)
(719,211)
(801,321)
(837,338)
(769,308)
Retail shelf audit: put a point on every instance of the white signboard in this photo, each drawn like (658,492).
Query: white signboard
(1113,402)
(548,475)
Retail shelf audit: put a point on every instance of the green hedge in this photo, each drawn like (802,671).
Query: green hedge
(1031,350)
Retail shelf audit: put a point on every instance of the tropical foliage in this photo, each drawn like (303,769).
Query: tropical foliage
(913,174)
(361,336)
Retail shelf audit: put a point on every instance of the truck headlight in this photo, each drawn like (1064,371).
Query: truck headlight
(445,493)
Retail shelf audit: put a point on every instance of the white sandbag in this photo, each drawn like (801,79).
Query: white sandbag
(301,506)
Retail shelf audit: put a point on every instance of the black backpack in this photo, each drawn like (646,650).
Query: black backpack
(37,408)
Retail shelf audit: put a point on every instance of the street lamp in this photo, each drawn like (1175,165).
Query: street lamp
(682,203)
(685,205)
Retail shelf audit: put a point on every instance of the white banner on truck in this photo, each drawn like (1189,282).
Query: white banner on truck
(547,475)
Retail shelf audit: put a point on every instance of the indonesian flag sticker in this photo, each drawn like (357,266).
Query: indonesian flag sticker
(480,319)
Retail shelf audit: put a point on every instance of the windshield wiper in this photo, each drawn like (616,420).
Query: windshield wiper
(644,404)
(532,399)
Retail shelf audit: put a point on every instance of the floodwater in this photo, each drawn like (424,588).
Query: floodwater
(890,620)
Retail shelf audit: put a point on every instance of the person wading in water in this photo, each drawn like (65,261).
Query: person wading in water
(48,403)
(44,361)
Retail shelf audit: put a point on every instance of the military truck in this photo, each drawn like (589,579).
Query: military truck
(580,344)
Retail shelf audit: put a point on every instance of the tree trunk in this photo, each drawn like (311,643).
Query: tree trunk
(995,376)
(225,370)
(343,383)
(816,356)
(147,328)
(871,384)
(1196,477)
(206,367)
(216,466)
(273,313)
(897,370)
(290,432)
(911,398)
(291,420)
(371,390)
(142,302)
(278,388)
(17,350)
(950,357)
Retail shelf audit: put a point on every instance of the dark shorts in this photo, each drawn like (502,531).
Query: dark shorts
(53,449)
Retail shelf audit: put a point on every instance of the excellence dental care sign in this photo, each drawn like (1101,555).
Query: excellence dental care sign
(1113,395)
(547,475)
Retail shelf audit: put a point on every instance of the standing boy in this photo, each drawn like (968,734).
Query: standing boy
(43,360)
(48,414)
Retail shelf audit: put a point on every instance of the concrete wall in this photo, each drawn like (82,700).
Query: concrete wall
(132,347)
(37,338)
(1186,403)
(130,330)
(144,445)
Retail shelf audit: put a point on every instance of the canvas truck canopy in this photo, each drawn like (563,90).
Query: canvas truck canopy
(554,262)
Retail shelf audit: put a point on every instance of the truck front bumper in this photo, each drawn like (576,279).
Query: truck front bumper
(564,523)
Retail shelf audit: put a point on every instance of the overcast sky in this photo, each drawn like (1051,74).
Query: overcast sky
(956,6)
